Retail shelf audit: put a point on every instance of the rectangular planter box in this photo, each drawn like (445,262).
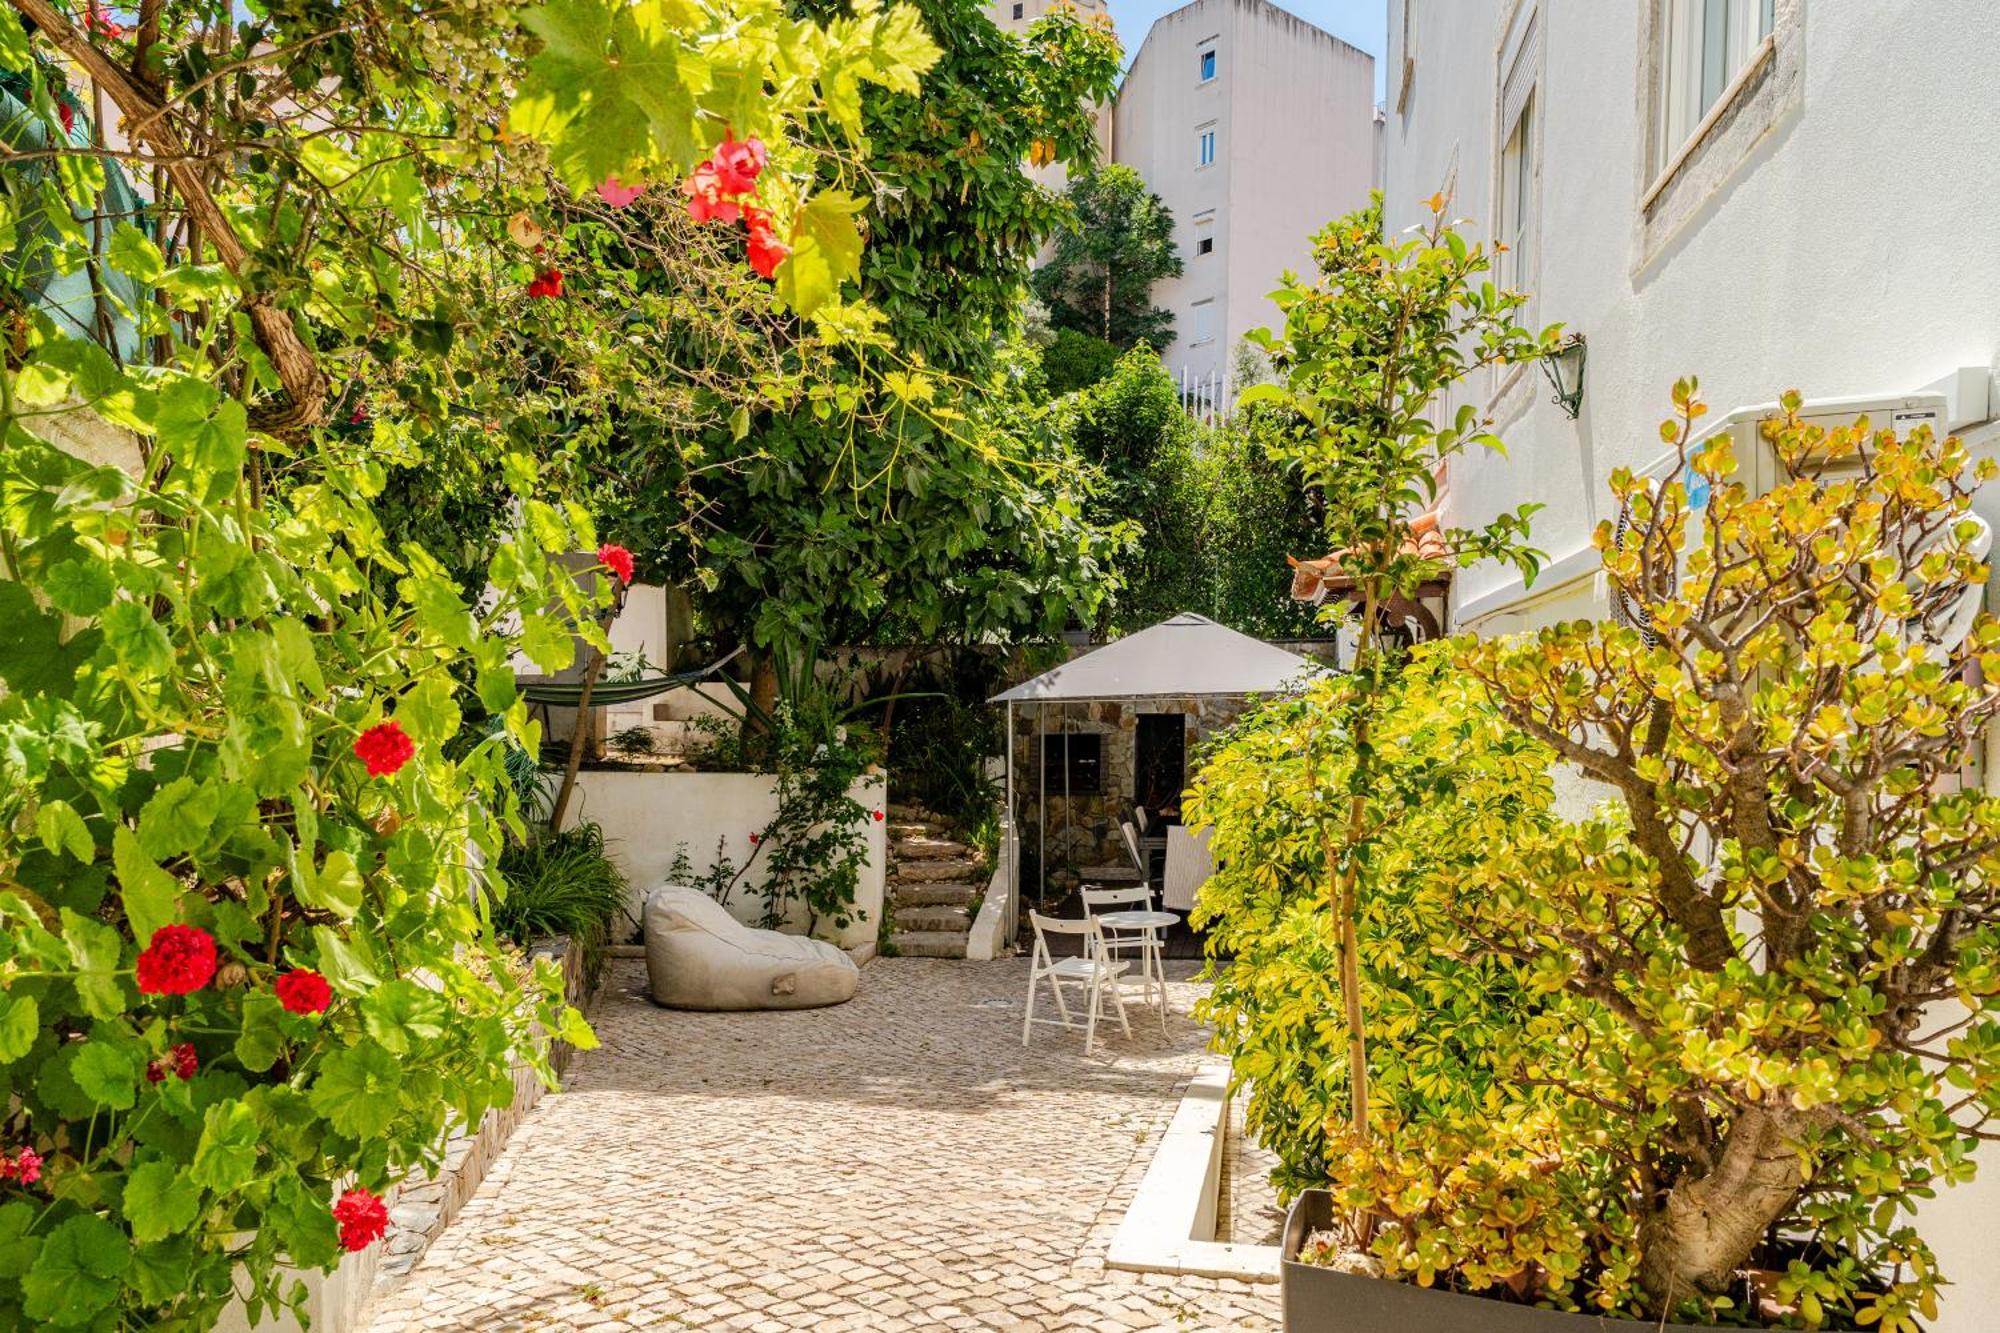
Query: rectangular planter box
(1320,1300)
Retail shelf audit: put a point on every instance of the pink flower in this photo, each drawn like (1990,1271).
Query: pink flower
(385,748)
(547,284)
(95,21)
(303,991)
(766,251)
(362,1218)
(616,195)
(705,202)
(28,1166)
(737,164)
(616,559)
(179,961)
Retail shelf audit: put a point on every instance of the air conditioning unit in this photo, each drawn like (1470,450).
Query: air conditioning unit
(1758,469)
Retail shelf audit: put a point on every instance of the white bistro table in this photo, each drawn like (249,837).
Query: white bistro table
(1146,926)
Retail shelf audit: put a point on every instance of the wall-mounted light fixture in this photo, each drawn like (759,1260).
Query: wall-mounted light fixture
(1564,368)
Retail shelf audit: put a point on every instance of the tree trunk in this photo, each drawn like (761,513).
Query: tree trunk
(763,707)
(1698,1237)
(578,731)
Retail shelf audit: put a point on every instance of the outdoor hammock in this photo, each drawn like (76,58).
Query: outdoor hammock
(568,693)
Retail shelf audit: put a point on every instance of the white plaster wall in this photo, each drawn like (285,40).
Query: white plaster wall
(1850,252)
(648,816)
(1292,107)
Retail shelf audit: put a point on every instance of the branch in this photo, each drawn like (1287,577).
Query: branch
(298,370)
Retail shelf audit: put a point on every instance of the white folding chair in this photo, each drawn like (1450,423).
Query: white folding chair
(1140,861)
(1095,971)
(1142,943)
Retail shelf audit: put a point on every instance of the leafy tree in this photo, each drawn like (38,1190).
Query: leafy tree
(1749,968)
(1115,243)
(1075,361)
(1255,516)
(1131,429)
(246,964)
(1368,347)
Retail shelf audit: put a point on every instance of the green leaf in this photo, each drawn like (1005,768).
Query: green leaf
(335,887)
(348,965)
(75,1274)
(547,644)
(19,1017)
(430,711)
(826,251)
(138,641)
(132,252)
(402,1014)
(79,587)
(62,829)
(17,1247)
(226,1157)
(304,1223)
(262,1038)
(94,947)
(149,894)
(356,1090)
(160,1201)
(108,1073)
(177,818)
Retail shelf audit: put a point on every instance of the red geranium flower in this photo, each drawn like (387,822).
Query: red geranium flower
(94,20)
(154,1073)
(547,283)
(384,748)
(738,163)
(303,992)
(67,116)
(616,559)
(362,1219)
(179,961)
(186,1062)
(876,815)
(756,838)
(616,195)
(705,196)
(766,250)
(27,1167)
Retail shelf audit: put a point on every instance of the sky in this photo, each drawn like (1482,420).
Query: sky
(1362,23)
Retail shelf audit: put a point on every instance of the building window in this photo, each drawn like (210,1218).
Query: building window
(1204,152)
(1204,323)
(1517,202)
(1519,144)
(1207,59)
(1073,764)
(1018,9)
(1205,246)
(1708,43)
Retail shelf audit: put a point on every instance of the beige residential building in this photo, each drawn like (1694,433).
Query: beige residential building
(1255,128)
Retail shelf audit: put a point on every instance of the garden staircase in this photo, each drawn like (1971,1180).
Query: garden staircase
(935,883)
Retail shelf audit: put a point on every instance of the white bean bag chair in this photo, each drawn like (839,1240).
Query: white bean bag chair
(700,957)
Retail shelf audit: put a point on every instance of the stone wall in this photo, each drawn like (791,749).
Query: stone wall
(1083,829)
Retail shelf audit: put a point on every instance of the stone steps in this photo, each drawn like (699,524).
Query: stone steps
(929,943)
(932,895)
(956,870)
(933,920)
(928,849)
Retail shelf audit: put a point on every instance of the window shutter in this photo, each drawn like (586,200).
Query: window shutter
(1522,71)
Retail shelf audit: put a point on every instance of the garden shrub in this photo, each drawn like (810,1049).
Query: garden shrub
(246,966)
(1454,782)
(1074,360)
(561,884)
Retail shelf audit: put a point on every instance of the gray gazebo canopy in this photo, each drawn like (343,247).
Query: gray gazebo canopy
(1185,655)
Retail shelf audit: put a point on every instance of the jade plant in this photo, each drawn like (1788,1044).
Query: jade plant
(1766,975)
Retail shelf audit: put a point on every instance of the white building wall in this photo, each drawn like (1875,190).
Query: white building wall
(1291,107)
(1834,232)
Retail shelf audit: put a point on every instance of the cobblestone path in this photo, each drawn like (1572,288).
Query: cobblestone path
(898,1162)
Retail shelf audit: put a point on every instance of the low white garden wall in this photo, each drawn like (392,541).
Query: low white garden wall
(647,816)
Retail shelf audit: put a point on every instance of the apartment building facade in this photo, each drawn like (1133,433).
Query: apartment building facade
(1769,194)
(1255,128)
